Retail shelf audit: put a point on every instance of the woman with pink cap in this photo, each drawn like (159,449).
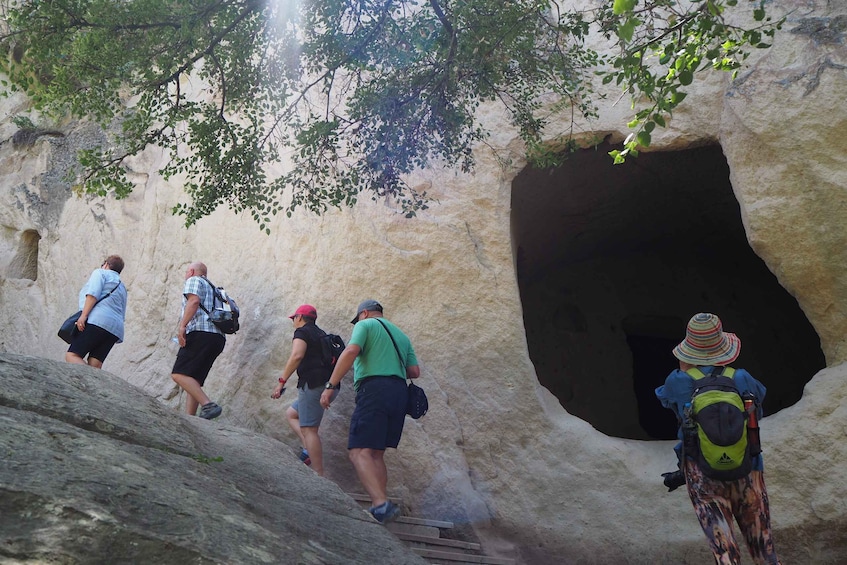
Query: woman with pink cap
(706,350)
(306,358)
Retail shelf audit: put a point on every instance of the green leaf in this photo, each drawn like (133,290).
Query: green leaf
(618,157)
(622,6)
(627,29)
(411,77)
(678,97)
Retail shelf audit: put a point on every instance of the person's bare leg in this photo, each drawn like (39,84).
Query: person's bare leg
(191,406)
(96,363)
(312,442)
(370,467)
(196,396)
(74,358)
(293,418)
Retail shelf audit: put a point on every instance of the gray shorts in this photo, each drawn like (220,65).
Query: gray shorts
(308,405)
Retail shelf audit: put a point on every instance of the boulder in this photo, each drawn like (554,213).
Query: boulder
(96,471)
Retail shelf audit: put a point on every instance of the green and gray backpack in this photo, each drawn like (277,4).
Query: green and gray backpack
(718,414)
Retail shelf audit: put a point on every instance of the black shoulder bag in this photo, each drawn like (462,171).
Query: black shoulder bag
(417,404)
(68,330)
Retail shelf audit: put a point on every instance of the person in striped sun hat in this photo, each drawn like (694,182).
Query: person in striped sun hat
(707,350)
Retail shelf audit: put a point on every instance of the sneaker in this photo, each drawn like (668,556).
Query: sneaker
(385,512)
(210,411)
(304,457)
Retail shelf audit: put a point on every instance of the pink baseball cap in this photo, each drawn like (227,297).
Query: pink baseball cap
(305,310)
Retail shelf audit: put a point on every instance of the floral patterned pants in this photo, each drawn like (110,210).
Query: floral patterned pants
(718,502)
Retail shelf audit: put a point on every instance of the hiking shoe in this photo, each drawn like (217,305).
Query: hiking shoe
(210,411)
(304,457)
(385,512)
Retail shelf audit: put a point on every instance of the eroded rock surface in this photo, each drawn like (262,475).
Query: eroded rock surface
(94,470)
(497,451)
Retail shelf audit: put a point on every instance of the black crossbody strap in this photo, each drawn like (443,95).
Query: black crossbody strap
(394,343)
(107,295)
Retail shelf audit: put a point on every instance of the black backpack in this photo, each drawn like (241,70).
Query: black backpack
(225,312)
(720,423)
(331,347)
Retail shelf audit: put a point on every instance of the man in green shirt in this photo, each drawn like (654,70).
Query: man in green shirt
(382,358)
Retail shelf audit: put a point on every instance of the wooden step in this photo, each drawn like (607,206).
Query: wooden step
(365,498)
(423,522)
(425,531)
(438,541)
(402,524)
(461,557)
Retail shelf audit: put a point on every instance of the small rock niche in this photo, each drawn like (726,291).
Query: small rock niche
(21,254)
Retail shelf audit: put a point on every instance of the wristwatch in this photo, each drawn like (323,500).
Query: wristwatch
(330,386)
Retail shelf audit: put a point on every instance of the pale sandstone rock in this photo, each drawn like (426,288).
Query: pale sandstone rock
(95,471)
(496,448)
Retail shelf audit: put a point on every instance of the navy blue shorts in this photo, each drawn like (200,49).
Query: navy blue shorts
(200,351)
(93,341)
(377,421)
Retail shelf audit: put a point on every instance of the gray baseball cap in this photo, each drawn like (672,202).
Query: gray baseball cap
(369,305)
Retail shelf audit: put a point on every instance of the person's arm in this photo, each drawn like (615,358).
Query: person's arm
(94,288)
(758,390)
(191,305)
(90,301)
(344,363)
(298,351)
(675,392)
(413,371)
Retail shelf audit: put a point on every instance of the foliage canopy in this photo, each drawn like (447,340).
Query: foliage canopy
(355,94)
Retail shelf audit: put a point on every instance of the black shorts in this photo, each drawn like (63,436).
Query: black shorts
(200,351)
(93,341)
(377,421)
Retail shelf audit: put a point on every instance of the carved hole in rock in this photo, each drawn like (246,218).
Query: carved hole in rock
(612,261)
(24,263)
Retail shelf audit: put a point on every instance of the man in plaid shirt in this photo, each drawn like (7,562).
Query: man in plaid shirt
(200,342)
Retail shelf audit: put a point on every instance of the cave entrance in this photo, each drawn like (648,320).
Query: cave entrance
(612,261)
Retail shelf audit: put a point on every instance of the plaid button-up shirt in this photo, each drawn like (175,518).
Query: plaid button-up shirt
(203,289)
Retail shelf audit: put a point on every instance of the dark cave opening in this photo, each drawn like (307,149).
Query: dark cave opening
(612,261)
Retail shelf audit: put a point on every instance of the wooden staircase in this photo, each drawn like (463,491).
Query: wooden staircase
(424,537)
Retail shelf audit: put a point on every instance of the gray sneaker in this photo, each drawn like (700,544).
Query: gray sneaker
(385,512)
(210,411)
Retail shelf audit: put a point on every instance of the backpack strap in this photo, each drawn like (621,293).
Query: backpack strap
(696,374)
(214,291)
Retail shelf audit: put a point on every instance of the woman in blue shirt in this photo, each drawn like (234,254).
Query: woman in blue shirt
(101,324)
(717,502)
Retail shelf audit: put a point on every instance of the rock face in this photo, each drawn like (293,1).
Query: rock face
(497,450)
(96,471)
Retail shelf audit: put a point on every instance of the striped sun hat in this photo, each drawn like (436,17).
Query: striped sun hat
(706,343)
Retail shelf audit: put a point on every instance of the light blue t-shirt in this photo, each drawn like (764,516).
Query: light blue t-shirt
(110,312)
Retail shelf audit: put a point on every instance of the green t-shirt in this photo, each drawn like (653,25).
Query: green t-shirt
(378,356)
